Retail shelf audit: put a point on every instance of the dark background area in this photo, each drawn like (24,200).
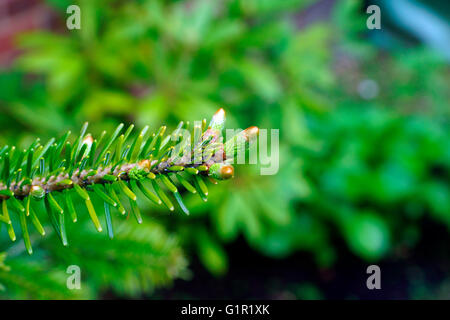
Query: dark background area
(417,274)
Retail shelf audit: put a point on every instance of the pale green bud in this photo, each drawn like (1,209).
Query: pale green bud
(37,192)
(218,120)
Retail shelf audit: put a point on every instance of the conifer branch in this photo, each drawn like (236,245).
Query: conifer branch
(110,166)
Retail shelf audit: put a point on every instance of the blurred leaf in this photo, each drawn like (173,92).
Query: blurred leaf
(367,235)
(211,253)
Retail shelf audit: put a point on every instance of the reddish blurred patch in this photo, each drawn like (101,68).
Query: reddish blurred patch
(17,16)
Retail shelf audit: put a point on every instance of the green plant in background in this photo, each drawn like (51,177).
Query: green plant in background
(363,169)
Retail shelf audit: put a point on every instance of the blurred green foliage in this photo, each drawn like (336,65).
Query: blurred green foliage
(366,170)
